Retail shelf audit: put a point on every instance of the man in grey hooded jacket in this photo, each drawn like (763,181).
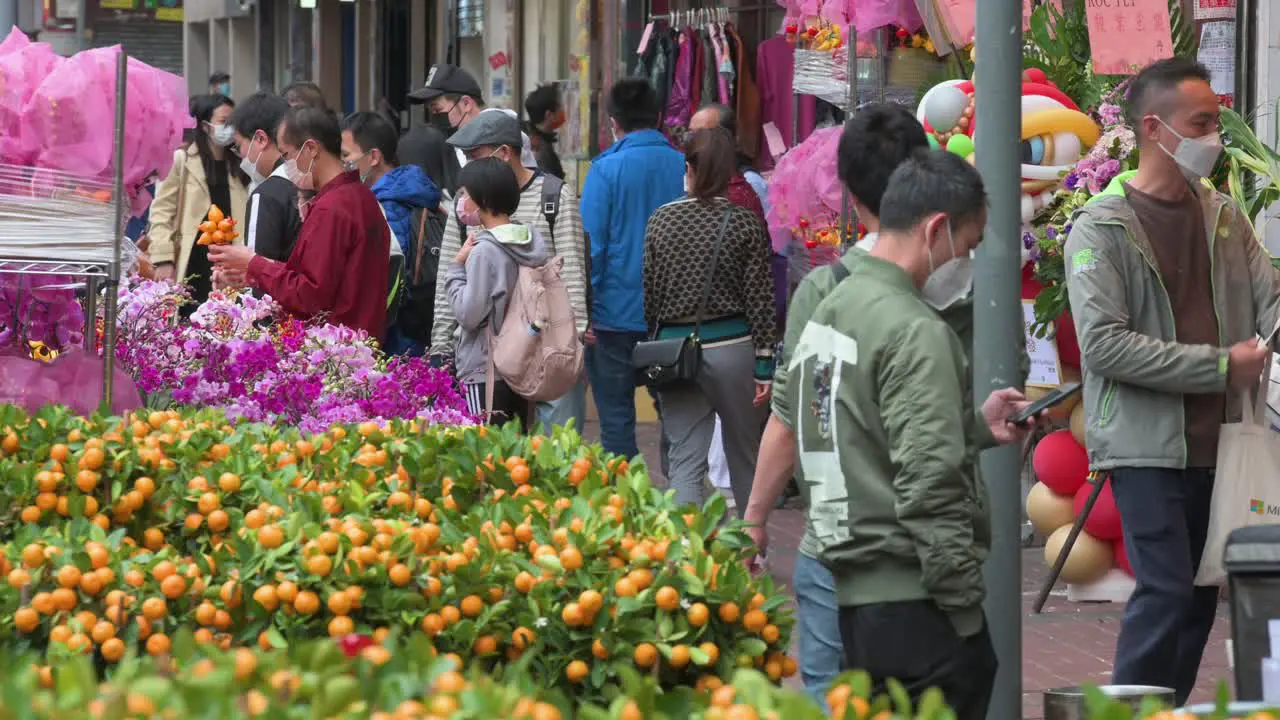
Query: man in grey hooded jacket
(1169,289)
(481,278)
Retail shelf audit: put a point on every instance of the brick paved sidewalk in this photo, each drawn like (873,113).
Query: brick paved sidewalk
(1068,644)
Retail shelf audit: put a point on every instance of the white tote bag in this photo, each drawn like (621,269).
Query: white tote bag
(1246,488)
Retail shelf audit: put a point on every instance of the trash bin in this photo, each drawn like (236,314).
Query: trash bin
(1252,562)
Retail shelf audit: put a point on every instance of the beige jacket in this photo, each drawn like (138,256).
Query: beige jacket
(195,207)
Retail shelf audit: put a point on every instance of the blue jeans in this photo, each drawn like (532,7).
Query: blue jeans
(818,621)
(613,386)
(400,344)
(573,406)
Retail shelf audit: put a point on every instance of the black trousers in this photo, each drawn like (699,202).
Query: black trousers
(915,643)
(507,405)
(1165,514)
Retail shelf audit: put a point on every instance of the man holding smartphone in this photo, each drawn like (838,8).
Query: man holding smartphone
(1169,289)
(888,435)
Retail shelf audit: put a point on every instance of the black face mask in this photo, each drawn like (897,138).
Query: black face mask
(440,121)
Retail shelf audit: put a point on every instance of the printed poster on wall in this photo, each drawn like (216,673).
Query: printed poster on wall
(1214,10)
(1046,369)
(1128,35)
(1218,54)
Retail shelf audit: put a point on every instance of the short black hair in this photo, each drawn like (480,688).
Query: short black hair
(874,142)
(260,111)
(1147,94)
(219,77)
(727,118)
(305,123)
(542,102)
(929,182)
(304,93)
(633,103)
(492,186)
(373,130)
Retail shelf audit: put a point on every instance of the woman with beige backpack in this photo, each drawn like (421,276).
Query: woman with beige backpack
(205,173)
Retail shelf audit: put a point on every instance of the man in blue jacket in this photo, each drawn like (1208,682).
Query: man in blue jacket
(627,182)
(369,143)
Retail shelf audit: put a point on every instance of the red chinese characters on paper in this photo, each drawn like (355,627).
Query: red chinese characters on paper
(1126,37)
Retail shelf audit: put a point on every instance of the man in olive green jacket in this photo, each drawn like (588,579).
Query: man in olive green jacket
(878,138)
(1169,289)
(885,411)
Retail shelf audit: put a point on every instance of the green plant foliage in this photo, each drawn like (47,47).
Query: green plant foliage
(1253,167)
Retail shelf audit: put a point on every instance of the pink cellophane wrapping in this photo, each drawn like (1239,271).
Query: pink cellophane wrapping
(70,118)
(14,41)
(73,379)
(862,14)
(23,65)
(805,185)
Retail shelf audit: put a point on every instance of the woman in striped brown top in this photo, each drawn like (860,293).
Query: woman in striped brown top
(738,329)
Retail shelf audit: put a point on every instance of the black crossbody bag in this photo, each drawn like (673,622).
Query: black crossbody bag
(661,364)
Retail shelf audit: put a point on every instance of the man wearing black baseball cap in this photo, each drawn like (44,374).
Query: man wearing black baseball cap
(450,91)
(452,97)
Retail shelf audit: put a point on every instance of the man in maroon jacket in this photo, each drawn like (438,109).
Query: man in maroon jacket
(340,264)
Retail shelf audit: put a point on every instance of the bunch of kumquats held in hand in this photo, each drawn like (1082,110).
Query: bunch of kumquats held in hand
(217,229)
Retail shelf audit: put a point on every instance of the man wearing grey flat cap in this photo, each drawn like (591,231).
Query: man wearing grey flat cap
(551,208)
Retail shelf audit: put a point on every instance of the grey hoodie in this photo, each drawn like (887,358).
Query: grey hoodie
(479,290)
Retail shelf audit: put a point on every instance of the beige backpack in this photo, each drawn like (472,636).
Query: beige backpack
(537,350)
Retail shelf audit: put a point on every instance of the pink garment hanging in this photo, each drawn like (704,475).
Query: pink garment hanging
(722,60)
(679,102)
(775,68)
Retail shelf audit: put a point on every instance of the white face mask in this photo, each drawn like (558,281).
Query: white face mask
(1196,156)
(950,283)
(222,135)
(250,166)
(299,177)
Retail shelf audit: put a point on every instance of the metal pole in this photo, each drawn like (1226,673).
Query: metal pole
(91,287)
(113,269)
(82,43)
(851,79)
(998,330)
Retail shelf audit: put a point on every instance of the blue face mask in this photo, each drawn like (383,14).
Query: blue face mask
(225,88)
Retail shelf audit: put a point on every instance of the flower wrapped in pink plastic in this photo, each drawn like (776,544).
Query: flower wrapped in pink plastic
(68,123)
(23,66)
(865,15)
(805,198)
(805,190)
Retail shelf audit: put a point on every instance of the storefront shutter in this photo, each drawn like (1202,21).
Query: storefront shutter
(156,43)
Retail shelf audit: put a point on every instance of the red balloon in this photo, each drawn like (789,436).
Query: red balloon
(1104,518)
(1122,557)
(1060,462)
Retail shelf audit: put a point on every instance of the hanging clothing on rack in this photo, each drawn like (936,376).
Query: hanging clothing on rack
(747,96)
(692,65)
(710,76)
(775,71)
(658,64)
(680,97)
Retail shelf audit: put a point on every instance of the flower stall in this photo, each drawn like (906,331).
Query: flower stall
(68,181)
(243,354)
